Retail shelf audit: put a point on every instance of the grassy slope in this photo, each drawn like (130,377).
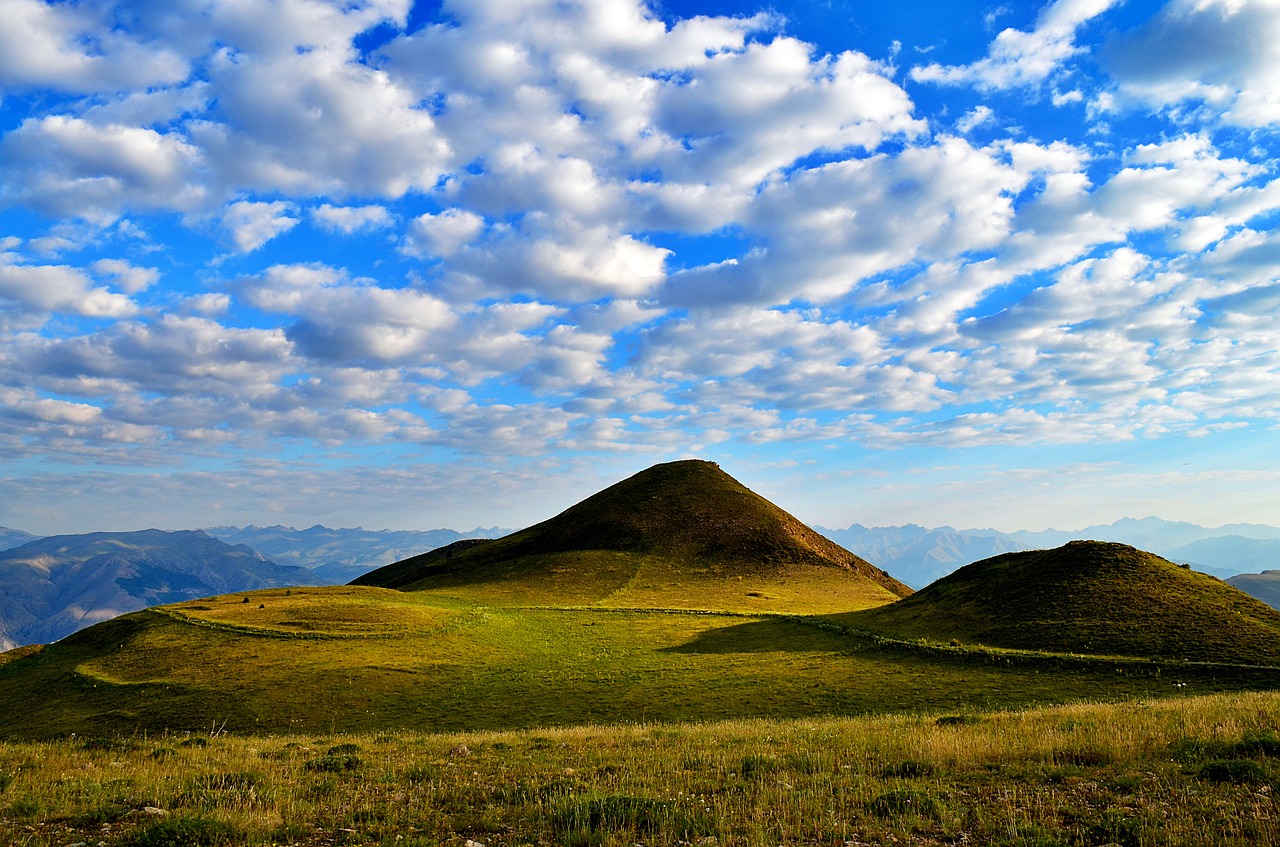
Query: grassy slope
(678,535)
(1190,771)
(346,659)
(1087,597)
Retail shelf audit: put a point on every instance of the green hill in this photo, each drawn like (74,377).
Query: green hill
(676,595)
(1087,597)
(678,535)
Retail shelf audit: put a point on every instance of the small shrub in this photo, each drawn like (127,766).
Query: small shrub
(418,774)
(321,790)
(955,720)
(291,833)
(5,781)
(588,820)
(1124,784)
(1117,828)
(1263,743)
(347,749)
(24,808)
(757,766)
(334,763)
(118,745)
(1188,750)
(1232,770)
(186,832)
(195,741)
(162,753)
(1032,837)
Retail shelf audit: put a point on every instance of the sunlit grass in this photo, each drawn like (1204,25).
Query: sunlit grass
(1182,771)
(350,659)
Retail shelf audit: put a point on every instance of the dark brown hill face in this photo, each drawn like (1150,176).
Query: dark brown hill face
(682,526)
(1087,597)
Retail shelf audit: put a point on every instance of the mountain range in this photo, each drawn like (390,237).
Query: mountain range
(919,556)
(675,595)
(337,556)
(56,585)
(72,597)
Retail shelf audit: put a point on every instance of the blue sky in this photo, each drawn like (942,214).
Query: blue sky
(407,266)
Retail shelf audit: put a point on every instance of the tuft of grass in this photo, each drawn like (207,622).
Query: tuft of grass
(1233,770)
(334,763)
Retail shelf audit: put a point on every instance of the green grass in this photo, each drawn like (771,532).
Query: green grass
(353,658)
(1182,771)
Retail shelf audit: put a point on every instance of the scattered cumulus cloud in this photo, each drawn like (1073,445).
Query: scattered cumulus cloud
(1219,55)
(350,220)
(550,232)
(1019,58)
(252,225)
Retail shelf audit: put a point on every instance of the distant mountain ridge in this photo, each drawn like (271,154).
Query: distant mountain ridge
(919,556)
(914,554)
(56,585)
(337,556)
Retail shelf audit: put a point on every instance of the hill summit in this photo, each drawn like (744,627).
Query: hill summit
(678,535)
(1088,597)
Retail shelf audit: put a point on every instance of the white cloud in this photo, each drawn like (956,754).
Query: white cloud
(1221,53)
(444,234)
(71,168)
(316,122)
(974,118)
(1018,58)
(128,278)
(831,228)
(78,48)
(59,288)
(349,220)
(253,224)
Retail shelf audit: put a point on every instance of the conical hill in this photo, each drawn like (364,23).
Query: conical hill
(678,535)
(1087,597)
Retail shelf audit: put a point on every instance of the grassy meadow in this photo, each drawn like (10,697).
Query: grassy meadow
(354,658)
(1173,771)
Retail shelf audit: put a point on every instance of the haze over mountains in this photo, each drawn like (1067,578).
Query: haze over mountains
(336,556)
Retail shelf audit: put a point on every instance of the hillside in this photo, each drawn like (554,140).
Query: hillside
(56,585)
(675,595)
(678,535)
(1087,597)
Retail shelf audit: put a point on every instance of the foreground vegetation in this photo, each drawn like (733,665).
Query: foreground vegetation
(1197,770)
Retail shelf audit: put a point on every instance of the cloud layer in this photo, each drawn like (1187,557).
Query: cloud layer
(534,233)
